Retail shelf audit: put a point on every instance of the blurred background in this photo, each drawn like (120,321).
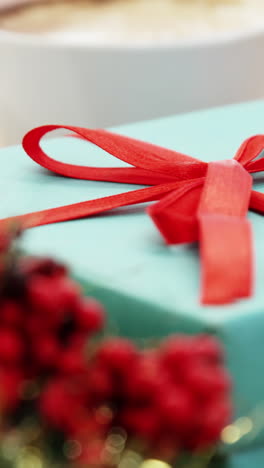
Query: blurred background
(101,63)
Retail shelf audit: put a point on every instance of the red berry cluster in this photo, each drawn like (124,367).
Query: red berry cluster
(172,398)
(175,397)
(44,325)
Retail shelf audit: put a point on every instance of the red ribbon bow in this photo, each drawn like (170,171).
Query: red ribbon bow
(197,201)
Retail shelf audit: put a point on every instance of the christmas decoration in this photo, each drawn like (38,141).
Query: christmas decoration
(72,398)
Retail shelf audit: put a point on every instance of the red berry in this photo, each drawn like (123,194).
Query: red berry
(11,346)
(11,313)
(209,349)
(56,404)
(176,355)
(141,423)
(72,362)
(46,350)
(60,406)
(117,354)
(52,297)
(89,315)
(213,420)
(177,408)
(208,382)
(69,292)
(100,382)
(144,381)
(44,295)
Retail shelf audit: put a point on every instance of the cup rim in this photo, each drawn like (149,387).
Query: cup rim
(41,41)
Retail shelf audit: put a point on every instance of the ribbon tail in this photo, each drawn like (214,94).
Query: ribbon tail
(226,252)
(225,234)
(92,207)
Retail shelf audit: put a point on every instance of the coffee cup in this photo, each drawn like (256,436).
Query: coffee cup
(46,80)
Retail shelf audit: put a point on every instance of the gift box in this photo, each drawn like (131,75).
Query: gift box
(150,289)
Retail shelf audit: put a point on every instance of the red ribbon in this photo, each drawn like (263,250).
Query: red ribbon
(198,201)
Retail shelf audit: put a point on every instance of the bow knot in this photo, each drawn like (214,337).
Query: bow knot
(194,201)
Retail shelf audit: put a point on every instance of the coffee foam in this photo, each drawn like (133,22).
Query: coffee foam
(101,21)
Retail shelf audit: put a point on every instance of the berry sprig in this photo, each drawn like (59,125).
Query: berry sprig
(45,324)
(159,402)
(171,399)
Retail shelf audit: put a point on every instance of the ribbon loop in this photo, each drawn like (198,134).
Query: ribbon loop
(250,150)
(152,164)
(175,215)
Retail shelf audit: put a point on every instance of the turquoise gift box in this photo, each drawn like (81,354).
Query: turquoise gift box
(148,288)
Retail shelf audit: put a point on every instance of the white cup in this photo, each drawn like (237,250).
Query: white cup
(45,81)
